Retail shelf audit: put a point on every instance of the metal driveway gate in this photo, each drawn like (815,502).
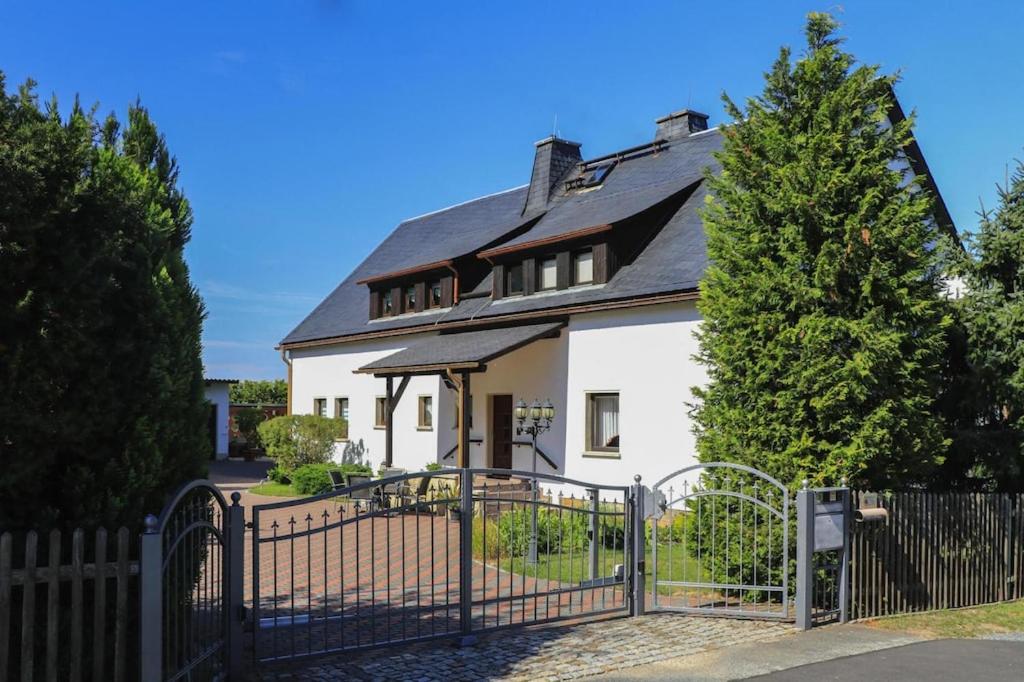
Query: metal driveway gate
(719,542)
(432,554)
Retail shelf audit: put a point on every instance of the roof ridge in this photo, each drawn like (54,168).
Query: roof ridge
(463,203)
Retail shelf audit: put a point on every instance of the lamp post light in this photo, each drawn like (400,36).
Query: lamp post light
(534,420)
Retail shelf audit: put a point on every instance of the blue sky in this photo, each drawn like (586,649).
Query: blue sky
(307,130)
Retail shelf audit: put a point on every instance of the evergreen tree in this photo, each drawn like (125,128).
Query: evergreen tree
(102,411)
(990,437)
(824,328)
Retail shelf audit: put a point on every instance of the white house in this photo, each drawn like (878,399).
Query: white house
(579,288)
(217,395)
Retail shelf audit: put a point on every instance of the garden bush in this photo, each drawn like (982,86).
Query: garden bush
(313,479)
(248,420)
(299,439)
(509,534)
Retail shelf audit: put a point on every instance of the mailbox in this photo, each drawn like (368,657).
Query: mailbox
(829,531)
(874,515)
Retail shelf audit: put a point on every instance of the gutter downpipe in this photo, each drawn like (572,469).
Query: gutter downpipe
(286,358)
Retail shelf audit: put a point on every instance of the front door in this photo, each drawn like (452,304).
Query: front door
(501,432)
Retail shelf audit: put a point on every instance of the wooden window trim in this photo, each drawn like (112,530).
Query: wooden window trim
(380,426)
(316,406)
(589,449)
(420,426)
(337,413)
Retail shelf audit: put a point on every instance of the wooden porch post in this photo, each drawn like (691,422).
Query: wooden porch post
(389,433)
(464,415)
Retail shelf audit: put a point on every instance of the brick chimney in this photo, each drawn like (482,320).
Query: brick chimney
(680,124)
(553,159)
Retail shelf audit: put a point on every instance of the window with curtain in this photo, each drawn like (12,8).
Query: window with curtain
(435,295)
(547,274)
(583,267)
(603,418)
(426,412)
(320,407)
(341,412)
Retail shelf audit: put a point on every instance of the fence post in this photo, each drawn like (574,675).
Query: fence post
(466,561)
(844,565)
(235,588)
(804,555)
(639,547)
(594,528)
(150,601)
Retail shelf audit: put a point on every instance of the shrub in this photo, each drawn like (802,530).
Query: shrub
(299,439)
(313,479)
(248,420)
(278,475)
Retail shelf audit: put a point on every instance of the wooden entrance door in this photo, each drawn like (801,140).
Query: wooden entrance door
(501,432)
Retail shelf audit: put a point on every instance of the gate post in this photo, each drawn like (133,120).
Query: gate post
(466,560)
(804,555)
(594,532)
(639,547)
(151,601)
(235,590)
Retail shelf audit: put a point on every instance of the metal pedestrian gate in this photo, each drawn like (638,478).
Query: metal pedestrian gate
(452,552)
(191,587)
(719,542)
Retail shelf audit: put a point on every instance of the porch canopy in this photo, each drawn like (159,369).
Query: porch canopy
(454,357)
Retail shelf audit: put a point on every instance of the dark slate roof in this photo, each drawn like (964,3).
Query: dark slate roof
(674,260)
(631,187)
(468,349)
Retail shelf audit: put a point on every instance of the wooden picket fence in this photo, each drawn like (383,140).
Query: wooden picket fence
(57,634)
(936,551)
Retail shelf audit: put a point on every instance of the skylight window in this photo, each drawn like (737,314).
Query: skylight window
(593,176)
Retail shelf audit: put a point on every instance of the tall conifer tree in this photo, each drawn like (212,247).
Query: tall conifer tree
(823,325)
(990,439)
(102,411)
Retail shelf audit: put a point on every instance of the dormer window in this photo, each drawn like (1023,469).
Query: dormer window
(547,274)
(514,277)
(434,297)
(409,297)
(583,267)
(386,306)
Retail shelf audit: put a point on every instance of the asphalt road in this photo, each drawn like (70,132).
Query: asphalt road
(945,659)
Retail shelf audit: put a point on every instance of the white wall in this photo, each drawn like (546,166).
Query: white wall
(644,354)
(217,393)
(327,372)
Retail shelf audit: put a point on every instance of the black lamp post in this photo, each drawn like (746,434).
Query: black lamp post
(534,420)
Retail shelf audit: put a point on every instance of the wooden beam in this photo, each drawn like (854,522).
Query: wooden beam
(464,420)
(389,432)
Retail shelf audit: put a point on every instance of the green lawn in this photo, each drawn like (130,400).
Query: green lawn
(972,622)
(576,567)
(274,489)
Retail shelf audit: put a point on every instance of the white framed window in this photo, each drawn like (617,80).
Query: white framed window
(603,422)
(320,407)
(380,412)
(547,274)
(425,413)
(341,412)
(583,267)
